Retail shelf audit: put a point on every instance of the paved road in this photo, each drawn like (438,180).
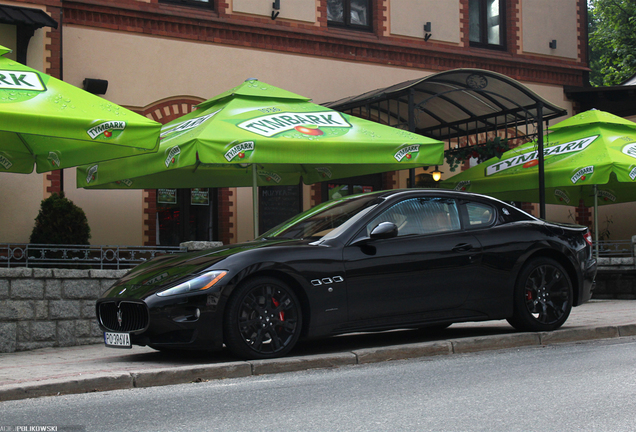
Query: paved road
(564,387)
(53,371)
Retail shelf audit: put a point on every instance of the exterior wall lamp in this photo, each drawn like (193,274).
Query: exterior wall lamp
(437,174)
(427,31)
(552,44)
(276,7)
(95,86)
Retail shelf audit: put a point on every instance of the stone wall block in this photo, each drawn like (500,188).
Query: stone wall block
(11,310)
(4,289)
(53,289)
(95,330)
(23,331)
(81,288)
(71,274)
(112,275)
(16,272)
(27,289)
(64,309)
(42,273)
(8,332)
(43,331)
(83,328)
(66,333)
(87,309)
(41,308)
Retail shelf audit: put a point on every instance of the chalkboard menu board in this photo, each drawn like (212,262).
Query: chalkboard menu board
(277,204)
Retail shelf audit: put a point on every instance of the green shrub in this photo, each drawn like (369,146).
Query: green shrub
(60,222)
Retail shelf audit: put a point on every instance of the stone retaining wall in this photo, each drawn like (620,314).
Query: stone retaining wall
(616,279)
(50,307)
(615,284)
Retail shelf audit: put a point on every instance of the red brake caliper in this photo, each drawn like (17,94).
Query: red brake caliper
(281,314)
(528,295)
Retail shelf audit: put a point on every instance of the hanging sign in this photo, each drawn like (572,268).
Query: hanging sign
(199,196)
(166,196)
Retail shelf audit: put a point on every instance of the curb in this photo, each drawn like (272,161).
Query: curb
(239,369)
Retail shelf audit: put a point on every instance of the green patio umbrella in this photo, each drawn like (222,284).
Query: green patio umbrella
(51,124)
(590,157)
(257,135)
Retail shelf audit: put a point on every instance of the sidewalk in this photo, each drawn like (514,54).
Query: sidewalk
(80,369)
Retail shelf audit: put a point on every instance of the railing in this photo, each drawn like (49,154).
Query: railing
(123,257)
(616,248)
(80,256)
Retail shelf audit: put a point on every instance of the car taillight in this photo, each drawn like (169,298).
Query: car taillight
(588,238)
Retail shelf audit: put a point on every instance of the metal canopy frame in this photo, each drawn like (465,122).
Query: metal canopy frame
(458,104)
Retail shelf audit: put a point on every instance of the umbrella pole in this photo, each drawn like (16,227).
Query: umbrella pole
(255,198)
(541,161)
(596,220)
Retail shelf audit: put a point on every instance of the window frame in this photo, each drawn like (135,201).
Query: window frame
(483,27)
(347,18)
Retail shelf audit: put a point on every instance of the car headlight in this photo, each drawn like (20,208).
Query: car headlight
(199,283)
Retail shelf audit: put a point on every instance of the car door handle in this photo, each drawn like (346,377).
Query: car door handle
(462,247)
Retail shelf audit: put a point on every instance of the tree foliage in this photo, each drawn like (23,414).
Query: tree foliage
(60,222)
(612,38)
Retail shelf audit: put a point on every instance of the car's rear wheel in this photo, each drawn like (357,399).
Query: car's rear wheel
(263,319)
(542,297)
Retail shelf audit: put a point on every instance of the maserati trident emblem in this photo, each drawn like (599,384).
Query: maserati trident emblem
(119,320)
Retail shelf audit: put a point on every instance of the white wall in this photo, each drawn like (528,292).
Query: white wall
(538,28)
(407,18)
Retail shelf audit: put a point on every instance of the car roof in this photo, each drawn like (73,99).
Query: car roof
(436,192)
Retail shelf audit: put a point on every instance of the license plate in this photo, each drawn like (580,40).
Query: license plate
(117,340)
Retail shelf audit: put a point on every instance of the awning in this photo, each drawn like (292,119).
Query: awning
(35,18)
(452,104)
(457,104)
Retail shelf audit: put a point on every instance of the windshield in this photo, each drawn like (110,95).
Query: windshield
(328,218)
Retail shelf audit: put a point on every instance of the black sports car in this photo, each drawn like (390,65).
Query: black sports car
(394,259)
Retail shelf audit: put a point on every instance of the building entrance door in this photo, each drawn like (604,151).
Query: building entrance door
(186,215)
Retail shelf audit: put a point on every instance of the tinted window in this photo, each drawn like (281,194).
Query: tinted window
(420,216)
(326,219)
(479,215)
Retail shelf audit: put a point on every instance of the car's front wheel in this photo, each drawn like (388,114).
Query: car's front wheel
(263,319)
(542,296)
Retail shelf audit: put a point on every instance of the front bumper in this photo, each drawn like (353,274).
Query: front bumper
(190,322)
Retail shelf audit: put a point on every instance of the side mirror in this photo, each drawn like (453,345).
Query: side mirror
(384,230)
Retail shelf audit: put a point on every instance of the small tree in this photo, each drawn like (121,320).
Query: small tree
(60,222)
(612,41)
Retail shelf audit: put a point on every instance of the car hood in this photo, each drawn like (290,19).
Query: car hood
(167,270)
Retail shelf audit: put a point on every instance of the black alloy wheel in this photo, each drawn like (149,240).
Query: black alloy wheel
(263,319)
(543,296)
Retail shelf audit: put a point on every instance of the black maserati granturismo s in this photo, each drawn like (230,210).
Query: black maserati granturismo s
(395,259)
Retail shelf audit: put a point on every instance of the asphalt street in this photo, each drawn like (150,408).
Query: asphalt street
(89,368)
(588,386)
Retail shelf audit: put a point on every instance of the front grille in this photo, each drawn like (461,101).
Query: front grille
(123,317)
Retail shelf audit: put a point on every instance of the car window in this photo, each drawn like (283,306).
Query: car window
(326,219)
(420,216)
(479,215)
